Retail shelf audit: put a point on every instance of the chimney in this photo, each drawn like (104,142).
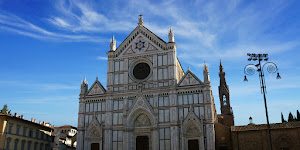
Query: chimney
(16,114)
(31,119)
(34,121)
(22,117)
(250,121)
(40,122)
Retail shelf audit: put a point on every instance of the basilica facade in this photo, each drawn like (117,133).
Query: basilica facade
(150,102)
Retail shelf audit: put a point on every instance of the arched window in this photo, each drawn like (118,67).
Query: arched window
(35,146)
(16,144)
(29,145)
(8,143)
(23,144)
(224,100)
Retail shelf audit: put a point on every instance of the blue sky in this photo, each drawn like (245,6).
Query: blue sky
(48,46)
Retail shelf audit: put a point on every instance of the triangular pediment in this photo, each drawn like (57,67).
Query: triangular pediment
(96,89)
(189,78)
(191,116)
(141,40)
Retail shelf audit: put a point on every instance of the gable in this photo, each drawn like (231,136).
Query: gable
(189,79)
(140,40)
(96,89)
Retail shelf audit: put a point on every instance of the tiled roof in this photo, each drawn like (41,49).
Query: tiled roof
(21,119)
(253,127)
(66,126)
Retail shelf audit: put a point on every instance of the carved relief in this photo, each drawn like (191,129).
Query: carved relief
(142,120)
(140,102)
(192,129)
(94,132)
(129,51)
(151,48)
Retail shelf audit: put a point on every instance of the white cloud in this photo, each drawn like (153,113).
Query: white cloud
(13,23)
(77,16)
(40,86)
(101,58)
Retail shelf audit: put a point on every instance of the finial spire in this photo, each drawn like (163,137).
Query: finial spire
(84,80)
(206,73)
(97,78)
(113,44)
(221,66)
(205,68)
(141,22)
(171,35)
(188,67)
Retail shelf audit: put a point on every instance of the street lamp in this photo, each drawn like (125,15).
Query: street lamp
(250,70)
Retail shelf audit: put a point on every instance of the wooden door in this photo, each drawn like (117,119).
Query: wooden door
(193,145)
(142,143)
(95,146)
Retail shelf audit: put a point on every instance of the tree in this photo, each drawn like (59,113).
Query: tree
(298,115)
(291,117)
(282,119)
(5,110)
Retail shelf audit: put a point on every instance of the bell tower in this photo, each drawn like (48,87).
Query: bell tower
(226,110)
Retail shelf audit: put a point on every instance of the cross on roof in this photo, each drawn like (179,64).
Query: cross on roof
(189,78)
(140,15)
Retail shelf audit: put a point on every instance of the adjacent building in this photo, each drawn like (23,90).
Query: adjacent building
(285,136)
(17,133)
(67,136)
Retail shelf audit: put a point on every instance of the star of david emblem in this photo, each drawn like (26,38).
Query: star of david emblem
(140,45)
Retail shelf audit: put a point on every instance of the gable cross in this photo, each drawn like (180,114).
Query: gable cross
(96,89)
(189,78)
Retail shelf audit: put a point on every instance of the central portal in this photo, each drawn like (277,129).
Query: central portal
(142,143)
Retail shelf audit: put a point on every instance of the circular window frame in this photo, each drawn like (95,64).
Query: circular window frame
(134,63)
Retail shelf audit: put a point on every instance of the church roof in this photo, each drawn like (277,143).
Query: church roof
(254,127)
(26,121)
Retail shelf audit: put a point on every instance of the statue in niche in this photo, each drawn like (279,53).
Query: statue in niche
(142,120)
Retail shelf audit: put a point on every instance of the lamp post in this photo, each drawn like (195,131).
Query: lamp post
(250,70)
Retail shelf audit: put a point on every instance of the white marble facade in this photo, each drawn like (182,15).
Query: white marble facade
(147,95)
